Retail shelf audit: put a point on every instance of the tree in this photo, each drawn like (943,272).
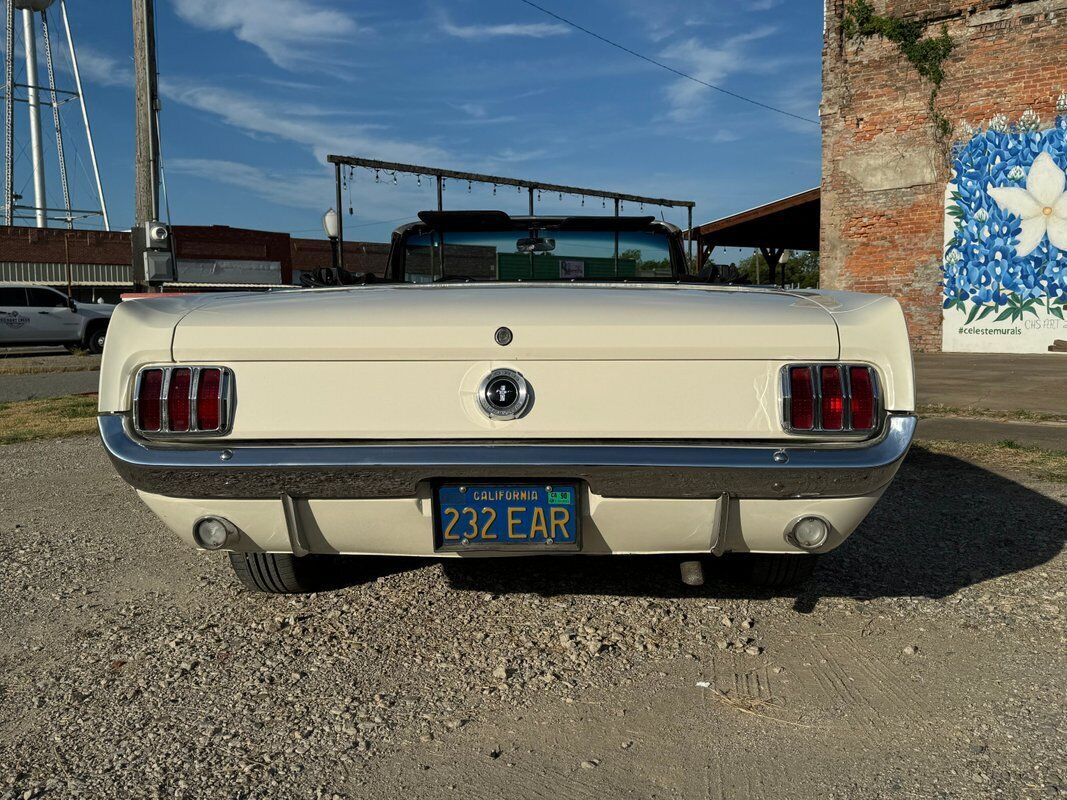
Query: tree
(801,270)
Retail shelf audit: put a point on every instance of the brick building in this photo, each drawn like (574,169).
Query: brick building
(96,265)
(884,170)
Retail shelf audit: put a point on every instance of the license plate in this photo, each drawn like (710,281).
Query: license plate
(507,516)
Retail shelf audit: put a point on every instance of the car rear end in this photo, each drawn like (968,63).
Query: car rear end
(667,419)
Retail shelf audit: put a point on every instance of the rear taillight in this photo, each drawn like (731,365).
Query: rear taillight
(149,415)
(181,381)
(802,392)
(830,398)
(183,400)
(864,408)
(209,400)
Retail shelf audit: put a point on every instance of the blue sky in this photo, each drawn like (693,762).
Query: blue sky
(257,92)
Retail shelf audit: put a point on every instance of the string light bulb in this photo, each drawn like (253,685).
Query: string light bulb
(494,190)
(395,181)
(418,179)
(377,177)
(468,187)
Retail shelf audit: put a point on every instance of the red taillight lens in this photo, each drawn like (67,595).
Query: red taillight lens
(207,400)
(148,410)
(197,399)
(833,399)
(863,411)
(178,400)
(802,399)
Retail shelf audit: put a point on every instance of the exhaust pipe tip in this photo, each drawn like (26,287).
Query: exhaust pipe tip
(692,573)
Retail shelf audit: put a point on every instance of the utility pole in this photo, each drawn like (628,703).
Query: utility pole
(146,168)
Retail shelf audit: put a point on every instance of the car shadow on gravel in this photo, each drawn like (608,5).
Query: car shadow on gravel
(943,525)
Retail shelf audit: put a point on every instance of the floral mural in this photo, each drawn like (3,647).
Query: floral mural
(1005,261)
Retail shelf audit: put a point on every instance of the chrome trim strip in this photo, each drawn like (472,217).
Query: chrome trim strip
(194,384)
(307,470)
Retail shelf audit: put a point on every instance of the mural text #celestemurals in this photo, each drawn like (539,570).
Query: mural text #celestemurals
(1005,262)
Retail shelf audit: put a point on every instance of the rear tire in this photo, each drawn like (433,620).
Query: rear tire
(284,573)
(775,569)
(94,339)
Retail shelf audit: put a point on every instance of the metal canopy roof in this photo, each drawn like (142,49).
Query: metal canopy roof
(792,223)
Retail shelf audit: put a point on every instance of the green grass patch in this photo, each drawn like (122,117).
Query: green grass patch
(1019,415)
(1049,465)
(53,418)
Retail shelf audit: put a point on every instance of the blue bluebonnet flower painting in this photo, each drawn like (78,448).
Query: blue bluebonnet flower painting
(1007,252)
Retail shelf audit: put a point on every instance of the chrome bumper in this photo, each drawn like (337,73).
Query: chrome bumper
(379,470)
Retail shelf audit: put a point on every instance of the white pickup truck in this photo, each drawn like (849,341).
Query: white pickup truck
(36,315)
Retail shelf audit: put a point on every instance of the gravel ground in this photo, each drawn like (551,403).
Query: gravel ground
(926,659)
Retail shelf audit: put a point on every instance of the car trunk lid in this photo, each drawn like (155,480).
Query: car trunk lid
(458,322)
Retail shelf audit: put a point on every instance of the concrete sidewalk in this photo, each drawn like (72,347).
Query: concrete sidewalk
(50,384)
(1001,382)
(1008,384)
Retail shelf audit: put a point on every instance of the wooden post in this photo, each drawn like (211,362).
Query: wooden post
(772,255)
(146,165)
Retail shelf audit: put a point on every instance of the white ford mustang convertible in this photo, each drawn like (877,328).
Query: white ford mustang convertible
(514,385)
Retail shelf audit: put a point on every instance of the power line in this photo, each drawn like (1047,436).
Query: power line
(661,65)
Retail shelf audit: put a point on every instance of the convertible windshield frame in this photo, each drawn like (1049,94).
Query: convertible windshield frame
(435,226)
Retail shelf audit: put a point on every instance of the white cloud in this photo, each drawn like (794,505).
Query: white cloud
(475,110)
(532,30)
(317,128)
(95,66)
(312,190)
(711,65)
(102,68)
(290,32)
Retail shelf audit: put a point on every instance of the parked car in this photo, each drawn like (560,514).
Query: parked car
(517,385)
(40,315)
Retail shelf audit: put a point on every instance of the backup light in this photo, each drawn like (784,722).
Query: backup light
(809,533)
(214,533)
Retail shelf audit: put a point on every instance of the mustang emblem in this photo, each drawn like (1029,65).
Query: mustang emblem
(504,394)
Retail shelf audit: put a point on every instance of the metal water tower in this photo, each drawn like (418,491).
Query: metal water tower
(15,207)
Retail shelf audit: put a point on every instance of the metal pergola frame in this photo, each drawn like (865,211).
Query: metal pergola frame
(440,175)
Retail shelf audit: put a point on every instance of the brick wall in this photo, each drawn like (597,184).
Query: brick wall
(60,246)
(883,173)
(360,257)
(49,245)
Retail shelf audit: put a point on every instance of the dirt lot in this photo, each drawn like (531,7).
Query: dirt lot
(926,659)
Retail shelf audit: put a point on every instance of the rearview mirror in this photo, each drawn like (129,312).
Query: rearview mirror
(72,305)
(535,244)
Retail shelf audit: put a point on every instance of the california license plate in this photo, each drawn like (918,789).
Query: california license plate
(512,516)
